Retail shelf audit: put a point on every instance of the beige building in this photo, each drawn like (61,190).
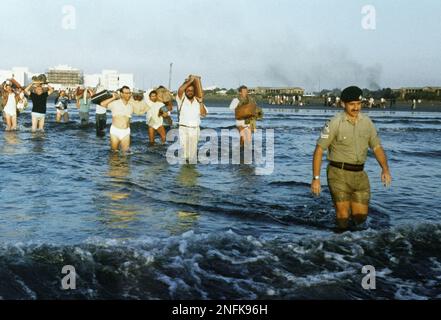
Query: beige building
(65,77)
(415,90)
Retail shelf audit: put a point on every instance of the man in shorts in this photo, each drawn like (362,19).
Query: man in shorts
(347,137)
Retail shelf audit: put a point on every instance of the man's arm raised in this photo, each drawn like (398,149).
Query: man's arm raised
(106,103)
(184,86)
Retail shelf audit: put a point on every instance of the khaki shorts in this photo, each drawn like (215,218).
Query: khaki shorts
(349,186)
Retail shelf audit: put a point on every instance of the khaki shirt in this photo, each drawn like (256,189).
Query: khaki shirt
(347,142)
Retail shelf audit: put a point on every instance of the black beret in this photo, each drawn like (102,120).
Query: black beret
(352,94)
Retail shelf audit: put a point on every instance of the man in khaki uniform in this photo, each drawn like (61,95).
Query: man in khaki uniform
(347,137)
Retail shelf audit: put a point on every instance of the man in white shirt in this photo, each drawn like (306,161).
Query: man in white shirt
(190,111)
(155,118)
(242,126)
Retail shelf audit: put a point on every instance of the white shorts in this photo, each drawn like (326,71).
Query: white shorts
(119,133)
(38,116)
(241,123)
(62,112)
(11,113)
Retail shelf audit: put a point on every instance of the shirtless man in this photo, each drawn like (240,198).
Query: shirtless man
(122,107)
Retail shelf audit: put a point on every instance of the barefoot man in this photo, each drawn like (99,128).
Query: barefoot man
(347,137)
(122,107)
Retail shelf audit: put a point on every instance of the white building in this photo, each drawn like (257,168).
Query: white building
(4,75)
(110,80)
(126,79)
(20,74)
(92,80)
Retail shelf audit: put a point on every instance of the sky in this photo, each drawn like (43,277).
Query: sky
(314,44)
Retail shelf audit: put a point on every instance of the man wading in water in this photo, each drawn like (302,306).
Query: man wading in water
(122,109)
(347,137)
(243,126)
(190,109)
(39,101)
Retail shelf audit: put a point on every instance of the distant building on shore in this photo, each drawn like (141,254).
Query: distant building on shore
(267,91)
(66,77)
(20,74)
(109,80)
(63,76)
(403,92)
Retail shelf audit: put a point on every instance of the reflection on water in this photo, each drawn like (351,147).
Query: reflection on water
(188,176)
(185,221)
(118,210)
(119,167)
(11,143)
(38,139)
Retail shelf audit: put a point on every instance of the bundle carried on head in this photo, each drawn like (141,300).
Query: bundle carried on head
(138,95)
(198,90)
(164,95)
(13,83)
(80,91)
(40,79)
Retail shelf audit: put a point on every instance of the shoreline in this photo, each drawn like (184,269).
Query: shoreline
(400,106)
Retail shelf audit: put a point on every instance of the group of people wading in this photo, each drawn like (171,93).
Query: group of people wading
(346,137)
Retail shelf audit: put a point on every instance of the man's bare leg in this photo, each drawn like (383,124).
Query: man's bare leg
(14,123)
(66,117)
(8,122)
(245,135)
(359,212)
(41,124)
(34,124)
(114,143)
(343,213)
(162,134)
(151,136)
(58,117)
(125,144)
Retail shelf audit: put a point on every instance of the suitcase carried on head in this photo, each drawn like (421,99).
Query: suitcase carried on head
(101,96)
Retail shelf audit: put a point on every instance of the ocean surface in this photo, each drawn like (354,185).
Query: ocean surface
(137,227)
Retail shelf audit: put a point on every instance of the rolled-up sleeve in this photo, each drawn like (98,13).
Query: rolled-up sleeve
(374,139)
(234,104)
(327,135)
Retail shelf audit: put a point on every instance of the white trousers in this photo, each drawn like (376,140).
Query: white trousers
(189,138)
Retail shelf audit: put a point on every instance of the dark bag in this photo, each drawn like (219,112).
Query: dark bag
(101,96)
